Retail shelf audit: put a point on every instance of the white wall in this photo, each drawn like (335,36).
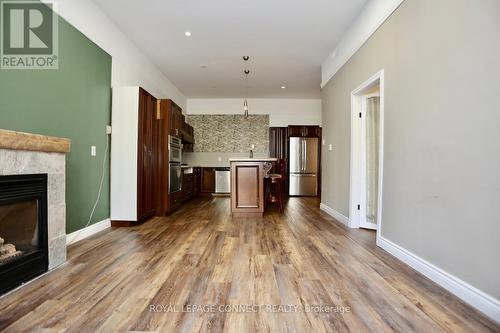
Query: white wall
(123,185)
(282,112)
(130,67)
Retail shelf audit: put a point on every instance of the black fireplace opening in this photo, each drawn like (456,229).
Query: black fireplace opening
(23,229)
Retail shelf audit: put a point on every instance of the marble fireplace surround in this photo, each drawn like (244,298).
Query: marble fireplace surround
(25,153)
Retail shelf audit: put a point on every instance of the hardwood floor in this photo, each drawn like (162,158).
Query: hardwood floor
(119,279)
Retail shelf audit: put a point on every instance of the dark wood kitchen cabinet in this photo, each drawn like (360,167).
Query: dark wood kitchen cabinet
(197,181)
(173,122)
(176,119)
(175,201)
(208,180)
(304,131)
(278,147)
(126,165)
(147,155)
(188,186)
(164,113)
(278,137)
(154,120)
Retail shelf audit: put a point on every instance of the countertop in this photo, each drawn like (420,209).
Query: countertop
(204,166)
(269,159)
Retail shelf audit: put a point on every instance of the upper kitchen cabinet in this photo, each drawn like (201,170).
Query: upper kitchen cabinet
(187,133)
(176,119)
(177,125)
(278,137)
(304,131)
(134,155)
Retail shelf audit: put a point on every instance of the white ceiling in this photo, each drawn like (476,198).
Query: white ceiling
(287,40)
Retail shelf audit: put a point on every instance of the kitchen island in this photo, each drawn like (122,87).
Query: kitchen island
(247,186)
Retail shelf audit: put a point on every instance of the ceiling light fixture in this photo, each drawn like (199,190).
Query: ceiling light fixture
(246,71)
(283,87)
(187,34)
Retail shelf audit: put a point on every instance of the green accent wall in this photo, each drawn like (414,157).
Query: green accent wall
(73,102)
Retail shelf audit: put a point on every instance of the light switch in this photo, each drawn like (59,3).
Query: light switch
(93,150)
(219,159)
(330,147)
(323,142)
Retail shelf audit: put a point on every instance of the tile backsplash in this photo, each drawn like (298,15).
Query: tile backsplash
(230,133)
(215,159)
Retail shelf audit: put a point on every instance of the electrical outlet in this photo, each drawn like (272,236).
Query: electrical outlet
(330,147)
(219,159)
(93,150)
(108,129)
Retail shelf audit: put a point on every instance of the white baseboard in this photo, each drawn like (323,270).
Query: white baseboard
(469,294)
(335,214)
(88,231)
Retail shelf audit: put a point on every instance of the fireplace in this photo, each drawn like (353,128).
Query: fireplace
(23,229)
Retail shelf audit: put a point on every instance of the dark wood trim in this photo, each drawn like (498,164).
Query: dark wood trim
(124,223)
(247,214)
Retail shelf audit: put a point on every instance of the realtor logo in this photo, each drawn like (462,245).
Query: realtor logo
(29,35)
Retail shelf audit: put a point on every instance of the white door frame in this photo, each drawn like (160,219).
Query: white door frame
(355,165)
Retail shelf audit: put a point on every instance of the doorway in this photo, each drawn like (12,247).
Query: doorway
(367,154)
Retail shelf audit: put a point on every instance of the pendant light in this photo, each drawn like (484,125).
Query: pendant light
(246,71)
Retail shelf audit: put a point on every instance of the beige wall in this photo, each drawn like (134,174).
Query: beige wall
(441,188)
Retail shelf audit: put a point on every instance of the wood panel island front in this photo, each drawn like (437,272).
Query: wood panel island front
(247,186)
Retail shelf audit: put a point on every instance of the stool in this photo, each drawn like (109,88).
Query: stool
(274,190)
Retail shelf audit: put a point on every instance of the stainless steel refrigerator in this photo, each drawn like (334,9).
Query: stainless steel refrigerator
(304,166)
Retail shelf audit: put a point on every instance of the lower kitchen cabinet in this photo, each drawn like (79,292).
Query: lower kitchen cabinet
(191,188)
(176,199)
(208,180)
(188,186)
(197,181)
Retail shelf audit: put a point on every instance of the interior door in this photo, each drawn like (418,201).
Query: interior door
(370,136)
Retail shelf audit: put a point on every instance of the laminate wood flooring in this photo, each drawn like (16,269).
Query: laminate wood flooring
(200,270)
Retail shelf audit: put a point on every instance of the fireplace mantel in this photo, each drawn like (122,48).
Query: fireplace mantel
(33,142)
